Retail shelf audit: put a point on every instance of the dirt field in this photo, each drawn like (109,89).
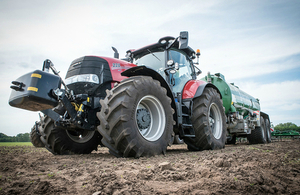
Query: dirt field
(240,169)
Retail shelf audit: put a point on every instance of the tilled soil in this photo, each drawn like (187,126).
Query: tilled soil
(240,169)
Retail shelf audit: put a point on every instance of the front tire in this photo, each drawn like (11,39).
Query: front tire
(136,118)
(35,136)
(209,123)
(65,142)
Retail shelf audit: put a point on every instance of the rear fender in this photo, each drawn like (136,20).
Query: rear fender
(145,71)
(195,88)
(265,116)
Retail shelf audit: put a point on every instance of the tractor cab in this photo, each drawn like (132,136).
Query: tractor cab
(171,58)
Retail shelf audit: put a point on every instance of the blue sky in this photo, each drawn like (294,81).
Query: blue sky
(255,44)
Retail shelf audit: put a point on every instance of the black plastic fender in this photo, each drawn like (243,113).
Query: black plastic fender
(264,115)
(202,87)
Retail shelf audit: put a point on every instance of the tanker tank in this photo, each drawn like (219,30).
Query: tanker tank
(234,99)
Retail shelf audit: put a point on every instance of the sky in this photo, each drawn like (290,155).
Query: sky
(255,44)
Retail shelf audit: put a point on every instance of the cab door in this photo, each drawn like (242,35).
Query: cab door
(183,74)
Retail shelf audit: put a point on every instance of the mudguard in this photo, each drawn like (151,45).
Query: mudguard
(195,88)
(264,115)
(145,71)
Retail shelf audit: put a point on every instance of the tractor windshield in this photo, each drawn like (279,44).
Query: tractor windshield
(155,60)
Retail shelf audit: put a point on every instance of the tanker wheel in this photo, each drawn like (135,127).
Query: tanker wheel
(136,118)
(178,140)
(209,122)
(64,142)
(259,134)
(268,130)
(35,136)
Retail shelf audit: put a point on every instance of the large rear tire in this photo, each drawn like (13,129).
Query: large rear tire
(64,142)
(136,118)
(259,134)
(209,122)
(35,136)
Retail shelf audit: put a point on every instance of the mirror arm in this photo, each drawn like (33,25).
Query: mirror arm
(199,71)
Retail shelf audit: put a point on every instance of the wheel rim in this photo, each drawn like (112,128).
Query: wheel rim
(215,121)
(80,137)
(150,118)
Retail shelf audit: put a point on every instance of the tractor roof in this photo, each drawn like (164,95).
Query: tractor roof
(161,45)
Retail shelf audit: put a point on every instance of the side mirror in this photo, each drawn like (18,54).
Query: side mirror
(183,39)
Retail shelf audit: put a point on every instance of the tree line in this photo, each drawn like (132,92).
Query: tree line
(287,126)
(21,137)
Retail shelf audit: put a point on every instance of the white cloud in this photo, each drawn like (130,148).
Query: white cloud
(277,99)
(291,106)
(244,57)
(275,92)
(245,39)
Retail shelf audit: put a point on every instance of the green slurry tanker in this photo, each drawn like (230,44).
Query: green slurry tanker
(138,105)
(244,118)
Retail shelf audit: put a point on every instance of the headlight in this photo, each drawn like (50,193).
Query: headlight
(89,78)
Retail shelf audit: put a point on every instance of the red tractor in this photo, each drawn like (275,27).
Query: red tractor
(151,96)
